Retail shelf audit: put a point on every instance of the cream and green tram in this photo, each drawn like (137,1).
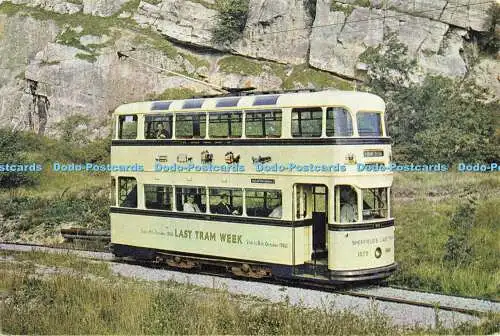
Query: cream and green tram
(264,185)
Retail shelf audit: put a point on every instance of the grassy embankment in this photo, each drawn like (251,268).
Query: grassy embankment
(84,297)
(448,232)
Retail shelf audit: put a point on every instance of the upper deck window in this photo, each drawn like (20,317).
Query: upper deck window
(306,122)
(158,127)
(127,127)
(261,124)
(338,122)
(190,125)
(228,102)
(225,124)
(369,124)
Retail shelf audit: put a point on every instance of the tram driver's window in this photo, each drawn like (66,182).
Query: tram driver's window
(225,124)
(127,127)
(338,122)
(375,203)
(262,124)
(158,127)
(190,125)
(369,124)
(158,197)
(225,201)
(306,122)
(263,203)
(127,192)
(347,204)
(191,199)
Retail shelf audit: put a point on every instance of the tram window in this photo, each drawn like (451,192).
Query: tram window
(128,127)
(375,203)
(338,122)
(158,197)
(369,124)
(263,203)
(191,199)
(158,127)
(306,122)
(347,198)
(261,124)
(190,125)
(225,124)
(127,192)
(225,201)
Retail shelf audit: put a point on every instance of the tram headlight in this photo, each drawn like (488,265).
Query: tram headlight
(378,252)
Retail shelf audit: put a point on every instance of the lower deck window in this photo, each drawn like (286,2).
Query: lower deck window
(191,199)
(158,197)
(127,192)
(226,201)
(375,203)
(263,203)
(347,200)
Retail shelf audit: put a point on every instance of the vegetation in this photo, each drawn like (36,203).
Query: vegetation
(171,94)
(231,20)
(72,301)
(439,121)
(447,232)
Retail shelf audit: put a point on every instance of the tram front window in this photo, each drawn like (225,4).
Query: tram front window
(375,204)
(369,124)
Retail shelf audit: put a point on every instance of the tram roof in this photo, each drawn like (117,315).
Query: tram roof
(352,100)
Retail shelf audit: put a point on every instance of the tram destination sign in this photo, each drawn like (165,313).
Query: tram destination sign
(262,180)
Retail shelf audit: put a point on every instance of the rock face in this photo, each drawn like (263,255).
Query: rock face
(276,30)
(339,40)
(46,74)
(184,21)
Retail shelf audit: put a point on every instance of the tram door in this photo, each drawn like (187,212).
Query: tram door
(311,203)
(320,220)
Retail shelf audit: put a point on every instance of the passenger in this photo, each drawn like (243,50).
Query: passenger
(277,212)
(190,205)
(349,208)
(161,132)
(224,208)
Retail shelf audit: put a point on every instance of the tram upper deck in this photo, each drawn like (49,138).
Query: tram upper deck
(325,128)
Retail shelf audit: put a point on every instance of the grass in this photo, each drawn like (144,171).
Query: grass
(67,303)
(447,232)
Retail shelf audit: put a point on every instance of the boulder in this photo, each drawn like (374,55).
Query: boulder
(102,7)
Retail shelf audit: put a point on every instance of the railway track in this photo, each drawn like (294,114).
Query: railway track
(394,297)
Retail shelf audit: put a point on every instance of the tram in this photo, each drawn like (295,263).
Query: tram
(262,185)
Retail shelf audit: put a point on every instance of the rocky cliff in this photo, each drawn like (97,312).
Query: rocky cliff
(59,58)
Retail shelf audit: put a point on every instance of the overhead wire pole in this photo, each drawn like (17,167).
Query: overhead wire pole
(122,55)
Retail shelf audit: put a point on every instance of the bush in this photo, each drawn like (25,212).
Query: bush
(232,18)
(12,148)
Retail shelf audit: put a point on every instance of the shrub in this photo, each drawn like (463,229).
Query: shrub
(232,18)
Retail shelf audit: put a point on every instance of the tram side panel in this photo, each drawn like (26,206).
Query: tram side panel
(237,241)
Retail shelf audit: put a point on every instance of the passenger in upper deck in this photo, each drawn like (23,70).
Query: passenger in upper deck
(190,205)
(161,132)
(349,208)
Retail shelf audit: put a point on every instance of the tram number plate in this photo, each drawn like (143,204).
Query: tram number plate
(268,181)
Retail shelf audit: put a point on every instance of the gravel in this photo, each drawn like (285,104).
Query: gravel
(400,314)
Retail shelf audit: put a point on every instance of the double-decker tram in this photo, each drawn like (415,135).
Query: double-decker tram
(263,185)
